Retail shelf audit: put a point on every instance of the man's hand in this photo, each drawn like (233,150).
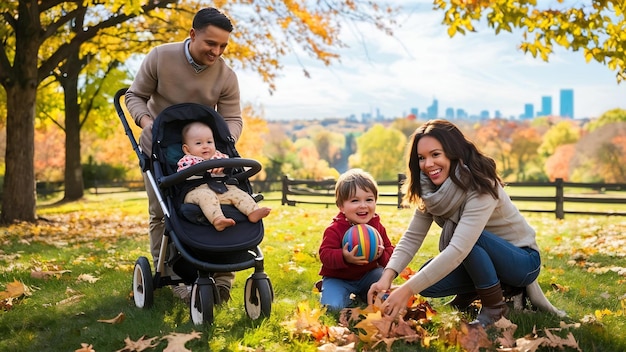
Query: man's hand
(146,121)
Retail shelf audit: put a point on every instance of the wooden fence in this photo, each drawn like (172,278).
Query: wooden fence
(322,192)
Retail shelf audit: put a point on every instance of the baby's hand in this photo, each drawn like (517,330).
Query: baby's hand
(216,156)
(351,257)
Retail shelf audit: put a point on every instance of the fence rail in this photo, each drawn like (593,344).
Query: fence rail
(322,192)
(295,192)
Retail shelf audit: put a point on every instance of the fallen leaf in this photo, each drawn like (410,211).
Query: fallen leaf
(330,347)
(14,289)
(85,348)
(87,278)
(36,274)
(176,341)
(117,320)
(473,337)
(529,344)
(72,299)
(139,345)
(366,330)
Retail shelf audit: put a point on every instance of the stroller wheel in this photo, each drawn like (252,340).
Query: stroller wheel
(143,288)
(258,298)
(202,302)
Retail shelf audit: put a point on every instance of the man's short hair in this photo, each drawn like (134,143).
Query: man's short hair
(210,16)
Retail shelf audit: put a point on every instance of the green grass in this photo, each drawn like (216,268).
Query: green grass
(104,235)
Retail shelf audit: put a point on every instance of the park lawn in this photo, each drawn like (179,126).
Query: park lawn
(91,247)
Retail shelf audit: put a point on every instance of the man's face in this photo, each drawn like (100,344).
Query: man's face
(208,44)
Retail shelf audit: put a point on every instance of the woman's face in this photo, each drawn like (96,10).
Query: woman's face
(360,208)
(432,160)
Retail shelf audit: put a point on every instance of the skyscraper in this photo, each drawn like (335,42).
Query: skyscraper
(546,106)
(567,103)
(529,111)
(432,112)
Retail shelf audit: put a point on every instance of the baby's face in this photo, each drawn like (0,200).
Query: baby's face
(199,142)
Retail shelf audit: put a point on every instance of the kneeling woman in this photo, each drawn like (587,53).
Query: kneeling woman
(485,241)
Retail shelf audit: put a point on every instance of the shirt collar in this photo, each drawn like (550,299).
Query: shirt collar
(196,67)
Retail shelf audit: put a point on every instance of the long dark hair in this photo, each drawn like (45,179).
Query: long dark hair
(480,173)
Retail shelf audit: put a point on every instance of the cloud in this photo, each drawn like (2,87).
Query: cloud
(478,71)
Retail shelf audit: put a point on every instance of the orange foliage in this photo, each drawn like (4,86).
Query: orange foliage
(557,165)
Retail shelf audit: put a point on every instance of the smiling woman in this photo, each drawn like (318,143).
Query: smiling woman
(485,243)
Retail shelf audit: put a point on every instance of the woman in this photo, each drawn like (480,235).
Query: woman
(485,241)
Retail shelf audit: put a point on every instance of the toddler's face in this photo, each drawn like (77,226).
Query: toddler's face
(360,208)
(199,142)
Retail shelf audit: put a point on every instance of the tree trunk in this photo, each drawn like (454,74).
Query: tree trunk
(74,186)
(18,198)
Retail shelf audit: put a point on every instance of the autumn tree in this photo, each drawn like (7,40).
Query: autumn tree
(558,164)
(39,38)
(27,58)
(614,115)
(250,144)
(600,154)
(380,151)
(524,143)
(564,132)
(595,28)
(493,137)
(329,146)
(406,126)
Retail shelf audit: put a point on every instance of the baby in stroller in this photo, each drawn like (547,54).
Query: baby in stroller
(198,146)
(192,252)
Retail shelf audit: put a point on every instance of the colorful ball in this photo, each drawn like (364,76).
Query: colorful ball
(366,237)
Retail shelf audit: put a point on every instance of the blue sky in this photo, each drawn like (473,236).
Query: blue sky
(478,71)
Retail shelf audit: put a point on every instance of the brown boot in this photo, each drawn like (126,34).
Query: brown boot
(462,300)
(493,306)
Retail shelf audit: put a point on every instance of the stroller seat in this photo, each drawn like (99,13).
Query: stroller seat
(191,247)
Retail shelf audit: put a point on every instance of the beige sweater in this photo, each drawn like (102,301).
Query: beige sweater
(165,78)
(481,211)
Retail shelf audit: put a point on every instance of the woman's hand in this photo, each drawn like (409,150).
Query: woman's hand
(396,303)
(351,257)
(381,286)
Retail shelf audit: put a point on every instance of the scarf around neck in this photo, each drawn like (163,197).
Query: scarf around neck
(445,203)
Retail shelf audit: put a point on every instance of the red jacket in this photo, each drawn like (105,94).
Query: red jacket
(331,254)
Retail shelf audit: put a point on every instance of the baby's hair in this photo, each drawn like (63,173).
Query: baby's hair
(350,181)
(188,126)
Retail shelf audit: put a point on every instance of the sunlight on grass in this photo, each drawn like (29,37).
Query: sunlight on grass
(103,236)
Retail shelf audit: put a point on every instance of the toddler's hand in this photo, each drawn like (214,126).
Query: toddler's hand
(351,257)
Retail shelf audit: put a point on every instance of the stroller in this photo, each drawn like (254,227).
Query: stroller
(191,248)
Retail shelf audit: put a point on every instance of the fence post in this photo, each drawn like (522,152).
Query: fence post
(560,213)
(285,189)
(401,179)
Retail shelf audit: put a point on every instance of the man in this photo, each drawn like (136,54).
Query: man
(192,71)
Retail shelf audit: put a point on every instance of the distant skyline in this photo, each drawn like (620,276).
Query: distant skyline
(476,72)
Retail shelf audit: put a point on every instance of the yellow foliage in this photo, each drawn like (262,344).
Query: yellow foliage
(598,29)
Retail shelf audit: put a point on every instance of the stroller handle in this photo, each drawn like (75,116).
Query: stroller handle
(251,167)
(143,158)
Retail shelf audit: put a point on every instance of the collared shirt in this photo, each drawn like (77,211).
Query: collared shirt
(196,67)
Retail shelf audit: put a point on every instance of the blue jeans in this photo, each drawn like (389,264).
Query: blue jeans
(336,292)
(490,261)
